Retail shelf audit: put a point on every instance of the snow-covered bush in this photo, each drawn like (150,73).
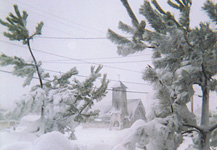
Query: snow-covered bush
(158,134)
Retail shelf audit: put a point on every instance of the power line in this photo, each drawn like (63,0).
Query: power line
(13,74)
(81,76)
(71,25)
(99,78)
(87,62)
(98,58)
(132,92)
(47,26)
(77,75)
(70,21)
(42,11)
(63,72)
(138,92)
(123,62)
(85,31)
(75,38)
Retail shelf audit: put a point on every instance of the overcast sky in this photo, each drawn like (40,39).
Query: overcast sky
(62,44)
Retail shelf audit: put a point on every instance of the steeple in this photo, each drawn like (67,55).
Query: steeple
(119,97)
(119,105)
(120,85)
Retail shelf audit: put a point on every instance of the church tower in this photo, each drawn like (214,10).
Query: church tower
(119,111)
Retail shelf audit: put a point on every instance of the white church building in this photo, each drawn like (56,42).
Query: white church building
(120,113)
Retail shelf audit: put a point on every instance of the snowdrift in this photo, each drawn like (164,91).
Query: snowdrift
(50,141)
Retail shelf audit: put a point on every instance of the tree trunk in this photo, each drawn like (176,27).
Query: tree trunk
(41,85)
(204,136)
(204,143)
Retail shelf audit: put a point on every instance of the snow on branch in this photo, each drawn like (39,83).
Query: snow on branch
(153,17)
(126,28)
(117,39)
(131,14)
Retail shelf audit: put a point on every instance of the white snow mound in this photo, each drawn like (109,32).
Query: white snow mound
(17,146)
(52,141)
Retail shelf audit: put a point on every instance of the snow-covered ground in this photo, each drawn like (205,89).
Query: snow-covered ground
(88,139)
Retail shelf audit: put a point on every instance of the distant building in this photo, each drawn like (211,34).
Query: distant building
(122,113)
(8,123)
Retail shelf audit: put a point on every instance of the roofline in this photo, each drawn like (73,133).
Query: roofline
(120,86)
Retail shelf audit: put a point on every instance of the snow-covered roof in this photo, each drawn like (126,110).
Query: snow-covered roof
(132,106)
(119,84)
(106,108)
(103,106)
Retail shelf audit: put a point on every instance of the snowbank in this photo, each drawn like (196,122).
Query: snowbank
(49,141)
(52,141)
(97,138)
(17,146)
(88,139)
(15,140)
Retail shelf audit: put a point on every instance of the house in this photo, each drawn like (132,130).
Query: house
(121,113)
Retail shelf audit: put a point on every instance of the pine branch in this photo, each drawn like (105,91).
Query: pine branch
(151,36)
(88,93)
(153,17)
(187,40)
(126,28)
(64,79)
(174,5)
(200,129)
(193,126)
(158,7)
(184,8)
(185,17)
(16,25)
(117,39)
(181,5)
(131,48)
(153,77)
(37,30)
(21,68)
(213,127)
(190,131)
(213,84)
(211,8)
(134,20)
(85,106)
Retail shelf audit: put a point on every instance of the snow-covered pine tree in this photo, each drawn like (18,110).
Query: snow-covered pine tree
(70,102)
(17,31)
(67,100)
(61,101)
(182,57)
